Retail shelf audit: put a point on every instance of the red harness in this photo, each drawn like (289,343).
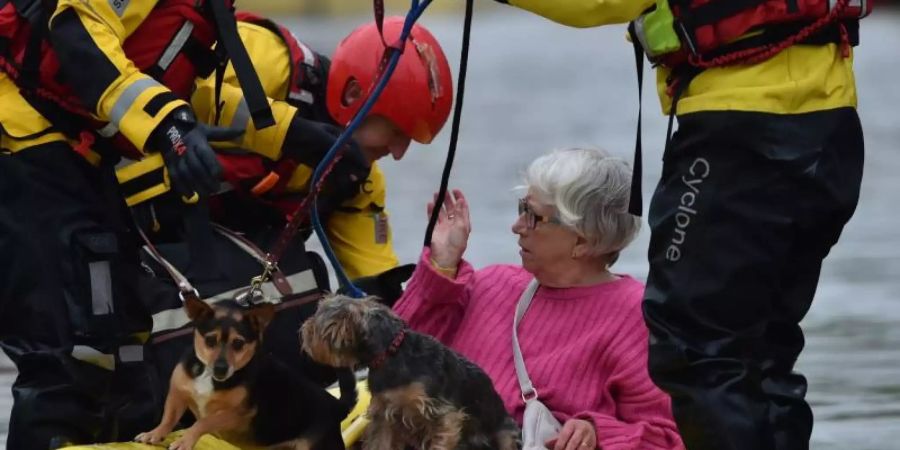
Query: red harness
(723,32)
(303,59)
(304,82)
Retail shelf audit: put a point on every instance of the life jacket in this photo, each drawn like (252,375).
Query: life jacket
(306,91)
(308,69)
(173,45)
(710,33)
(248,173)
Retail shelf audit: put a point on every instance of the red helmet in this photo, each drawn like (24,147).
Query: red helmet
(419,95)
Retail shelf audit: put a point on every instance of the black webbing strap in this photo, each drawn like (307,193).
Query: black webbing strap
(773,34)
(256,99)
(38,18)
(454,131)
(636,200)
(222,57)
(29,80)
(378,7)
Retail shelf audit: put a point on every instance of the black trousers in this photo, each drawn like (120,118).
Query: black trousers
(748,206)
(69,310)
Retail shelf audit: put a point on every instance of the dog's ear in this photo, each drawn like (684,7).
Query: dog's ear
(261,315)
(197,309)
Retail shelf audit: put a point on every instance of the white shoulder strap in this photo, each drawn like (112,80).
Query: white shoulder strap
(528,389)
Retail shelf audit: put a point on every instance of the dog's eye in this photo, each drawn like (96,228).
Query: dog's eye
(210,341)
(237,344)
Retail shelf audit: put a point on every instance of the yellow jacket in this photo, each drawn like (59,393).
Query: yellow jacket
(21,126)
(359,231)
(115,90)
(799,79)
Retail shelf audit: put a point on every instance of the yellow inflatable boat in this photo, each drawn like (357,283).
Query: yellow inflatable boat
(351,428)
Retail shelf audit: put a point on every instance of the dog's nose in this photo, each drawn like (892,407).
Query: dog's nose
(220,368)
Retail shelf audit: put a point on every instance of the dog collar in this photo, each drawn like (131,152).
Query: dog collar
(379,360)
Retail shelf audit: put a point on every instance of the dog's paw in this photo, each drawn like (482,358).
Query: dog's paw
(185,442)
(154,436)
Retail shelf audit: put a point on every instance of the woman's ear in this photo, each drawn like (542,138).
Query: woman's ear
(581,248)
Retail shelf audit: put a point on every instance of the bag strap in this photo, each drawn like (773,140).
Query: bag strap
(278,278)
(528,390)
(185,288)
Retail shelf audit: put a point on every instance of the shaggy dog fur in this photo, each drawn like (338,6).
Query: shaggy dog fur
(424,395)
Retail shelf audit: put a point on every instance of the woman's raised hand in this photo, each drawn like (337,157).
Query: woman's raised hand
(451,233)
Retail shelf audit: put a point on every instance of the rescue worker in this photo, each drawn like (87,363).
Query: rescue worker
(312,98)
(71,318)
(757,184)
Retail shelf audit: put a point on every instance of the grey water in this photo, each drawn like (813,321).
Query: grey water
(534,85)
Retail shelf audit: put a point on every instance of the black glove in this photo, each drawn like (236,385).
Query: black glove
(307,142)
(184,144)
(387,285)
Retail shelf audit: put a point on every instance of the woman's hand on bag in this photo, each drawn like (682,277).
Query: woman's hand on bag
(576,434)
(451,233)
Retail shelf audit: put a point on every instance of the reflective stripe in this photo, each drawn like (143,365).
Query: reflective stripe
(108,131)
(175,318)
(240,119)
(131,93)
(302,95)
(241,115)
(309,58)
(92,356)
(176,45)
(101,288)
(131,353)
(642,34)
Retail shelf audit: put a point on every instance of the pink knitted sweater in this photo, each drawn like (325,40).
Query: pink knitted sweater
(585,347)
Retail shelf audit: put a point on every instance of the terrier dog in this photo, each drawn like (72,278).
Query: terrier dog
(240,395)
(424,395)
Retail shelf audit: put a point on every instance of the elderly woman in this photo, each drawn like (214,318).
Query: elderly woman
(583,338)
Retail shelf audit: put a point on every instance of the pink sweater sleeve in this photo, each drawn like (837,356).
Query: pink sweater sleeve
(643,418)
(432,303)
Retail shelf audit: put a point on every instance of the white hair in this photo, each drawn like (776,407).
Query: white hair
(590,190)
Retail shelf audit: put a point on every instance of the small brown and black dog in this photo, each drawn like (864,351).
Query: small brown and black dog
(424,395)
(243,396)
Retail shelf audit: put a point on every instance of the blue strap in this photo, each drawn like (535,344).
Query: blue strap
(393,56)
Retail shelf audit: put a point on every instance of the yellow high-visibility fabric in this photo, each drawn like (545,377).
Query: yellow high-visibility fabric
(800,79)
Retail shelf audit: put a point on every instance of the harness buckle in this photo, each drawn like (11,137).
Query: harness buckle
(255,295)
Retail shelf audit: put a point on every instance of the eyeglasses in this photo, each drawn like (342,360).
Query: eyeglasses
(532,219)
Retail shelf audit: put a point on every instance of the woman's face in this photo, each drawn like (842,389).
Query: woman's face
(547,247)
